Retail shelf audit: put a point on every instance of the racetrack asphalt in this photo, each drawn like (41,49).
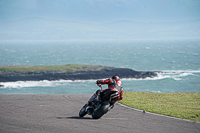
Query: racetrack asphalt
(58,113)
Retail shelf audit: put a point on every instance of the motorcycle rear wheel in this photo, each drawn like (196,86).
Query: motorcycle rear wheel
(101,111)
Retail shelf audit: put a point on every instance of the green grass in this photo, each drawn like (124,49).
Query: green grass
(179,105)
(26,69)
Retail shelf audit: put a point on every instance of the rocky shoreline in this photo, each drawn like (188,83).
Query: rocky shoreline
(82,73)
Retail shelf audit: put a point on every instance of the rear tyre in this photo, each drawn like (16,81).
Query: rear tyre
(82,112)
(101,111)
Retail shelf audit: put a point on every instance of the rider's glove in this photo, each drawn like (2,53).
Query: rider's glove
(98,82)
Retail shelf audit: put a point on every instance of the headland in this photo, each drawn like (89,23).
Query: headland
(67,72)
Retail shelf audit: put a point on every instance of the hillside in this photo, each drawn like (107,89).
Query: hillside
(50,29)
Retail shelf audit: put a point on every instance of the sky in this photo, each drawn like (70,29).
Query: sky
(98,19)
(102,10)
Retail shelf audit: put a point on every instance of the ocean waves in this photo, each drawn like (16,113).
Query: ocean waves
(171,74)
(177,63)
(177,75)
(168,81)
(42,83)
(166,74)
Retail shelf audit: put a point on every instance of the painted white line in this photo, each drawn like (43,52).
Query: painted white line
(156,114)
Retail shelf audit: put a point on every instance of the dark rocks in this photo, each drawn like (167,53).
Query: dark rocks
(76,74)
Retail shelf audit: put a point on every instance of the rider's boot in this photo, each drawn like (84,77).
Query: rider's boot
(89,108)
(111,106)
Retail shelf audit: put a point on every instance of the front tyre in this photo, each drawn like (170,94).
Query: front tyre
(82,112)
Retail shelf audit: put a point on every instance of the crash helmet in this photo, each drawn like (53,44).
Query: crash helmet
(115,77)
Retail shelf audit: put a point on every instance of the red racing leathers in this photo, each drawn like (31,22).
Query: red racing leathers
(113,85)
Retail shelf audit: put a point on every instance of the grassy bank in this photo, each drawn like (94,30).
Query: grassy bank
(26,69)
(180,105)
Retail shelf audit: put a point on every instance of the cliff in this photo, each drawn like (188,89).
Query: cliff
(75,73)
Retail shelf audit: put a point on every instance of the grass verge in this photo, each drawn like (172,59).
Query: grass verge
(179,105)
(26,69)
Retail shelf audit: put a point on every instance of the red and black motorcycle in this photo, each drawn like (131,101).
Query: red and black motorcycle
(99,105)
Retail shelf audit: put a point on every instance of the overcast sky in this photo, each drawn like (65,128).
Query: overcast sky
(98,19)
(102,10)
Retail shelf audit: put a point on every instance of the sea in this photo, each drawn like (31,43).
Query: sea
(176,61)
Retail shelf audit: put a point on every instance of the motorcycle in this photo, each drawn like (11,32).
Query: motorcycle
(100,105)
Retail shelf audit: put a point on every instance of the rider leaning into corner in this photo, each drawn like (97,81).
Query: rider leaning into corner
(114,84)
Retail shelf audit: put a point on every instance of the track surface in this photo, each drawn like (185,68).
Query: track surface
(59,114)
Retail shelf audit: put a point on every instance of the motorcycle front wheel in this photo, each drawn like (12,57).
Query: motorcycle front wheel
(82,112)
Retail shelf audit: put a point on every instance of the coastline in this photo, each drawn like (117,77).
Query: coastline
(76,73)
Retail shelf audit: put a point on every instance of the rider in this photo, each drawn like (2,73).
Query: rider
(114,85)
